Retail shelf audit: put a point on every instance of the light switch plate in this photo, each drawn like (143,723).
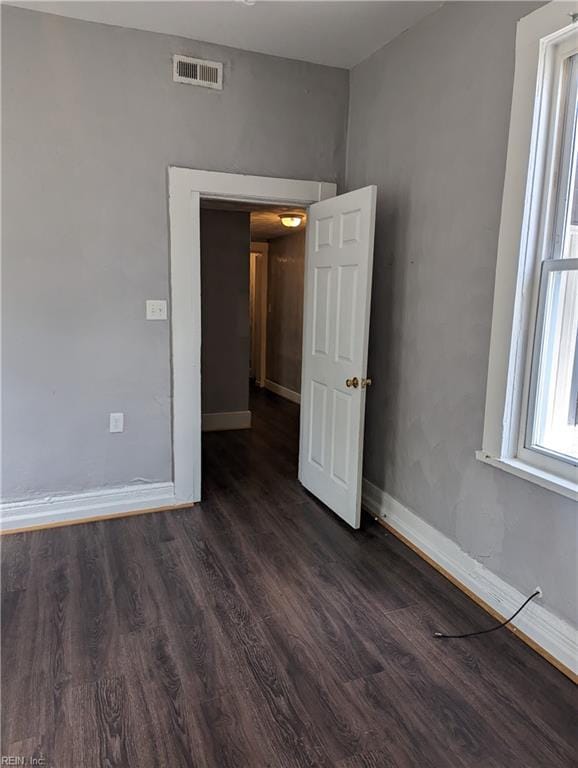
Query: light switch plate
(116,422)
(156,309)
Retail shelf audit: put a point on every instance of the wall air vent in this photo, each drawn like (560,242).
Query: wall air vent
(209,74)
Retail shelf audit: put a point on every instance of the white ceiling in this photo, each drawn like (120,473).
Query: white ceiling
(339,34)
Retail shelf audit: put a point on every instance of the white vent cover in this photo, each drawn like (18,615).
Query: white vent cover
(209,74)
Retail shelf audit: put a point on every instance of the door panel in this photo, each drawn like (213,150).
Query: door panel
(341,438)
(318,424)
(346,313)
(338,270)
(321,307)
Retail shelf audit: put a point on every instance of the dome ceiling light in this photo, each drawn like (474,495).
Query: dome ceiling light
(291,220)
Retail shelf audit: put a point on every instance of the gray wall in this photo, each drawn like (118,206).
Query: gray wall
(225,244)
(91,121)
(429,117)
(285,315)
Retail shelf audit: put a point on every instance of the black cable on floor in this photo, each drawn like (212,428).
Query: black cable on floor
(492,629)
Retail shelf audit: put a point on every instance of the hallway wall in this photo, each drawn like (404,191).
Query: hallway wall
(285,316)
(429,117)
(225,246)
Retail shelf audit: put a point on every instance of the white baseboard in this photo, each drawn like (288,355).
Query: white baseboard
(104,502)
(217,422)
(278,389)
(554,635)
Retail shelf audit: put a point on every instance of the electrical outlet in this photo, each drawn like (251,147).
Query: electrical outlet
(116,422)
(539,591)
(156,309)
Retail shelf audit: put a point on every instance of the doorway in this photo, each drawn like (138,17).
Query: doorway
(186,188)
(276,280)
(252,278)
(338,266)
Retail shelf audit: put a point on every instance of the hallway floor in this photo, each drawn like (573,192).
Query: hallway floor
(257,631)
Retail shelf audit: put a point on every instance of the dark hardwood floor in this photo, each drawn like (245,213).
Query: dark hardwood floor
(257,630)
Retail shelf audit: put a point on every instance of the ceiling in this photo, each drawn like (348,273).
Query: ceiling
(338,34)
(266,225)
(265,222)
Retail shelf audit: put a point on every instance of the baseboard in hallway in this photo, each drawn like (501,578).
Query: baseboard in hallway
(278,389)
(217,422)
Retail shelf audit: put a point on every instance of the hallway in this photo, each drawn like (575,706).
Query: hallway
(256,630)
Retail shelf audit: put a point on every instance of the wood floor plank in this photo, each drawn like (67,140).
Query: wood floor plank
(35,750)
(256,630)
(112,742)
(295,734)
(440,714)
(163,694)
(255,579)
(342,727)
(35,654)
(15,567)
(95,626)
(377,758)
(352,654)
(229,733)
(134,600)
(486,676)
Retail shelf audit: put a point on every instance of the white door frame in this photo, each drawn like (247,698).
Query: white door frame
(186,187)
(262,249)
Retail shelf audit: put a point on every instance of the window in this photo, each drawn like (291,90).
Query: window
(550,429)
(552,426)
(531,425)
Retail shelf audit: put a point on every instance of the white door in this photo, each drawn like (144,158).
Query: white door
(338,268)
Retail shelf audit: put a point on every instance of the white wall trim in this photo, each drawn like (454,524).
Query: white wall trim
(234,186)
(48,510)
(263,249)
(537,39)
(217,422)
(532,474)
(288,394)
(554,635)
(186,187)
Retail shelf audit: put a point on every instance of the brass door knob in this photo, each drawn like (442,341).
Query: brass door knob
(354,382)
(365,383)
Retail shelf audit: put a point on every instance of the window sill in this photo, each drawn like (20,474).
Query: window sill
(532,474)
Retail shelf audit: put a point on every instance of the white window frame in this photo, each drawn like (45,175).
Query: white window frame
(541,457)
(543,39)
